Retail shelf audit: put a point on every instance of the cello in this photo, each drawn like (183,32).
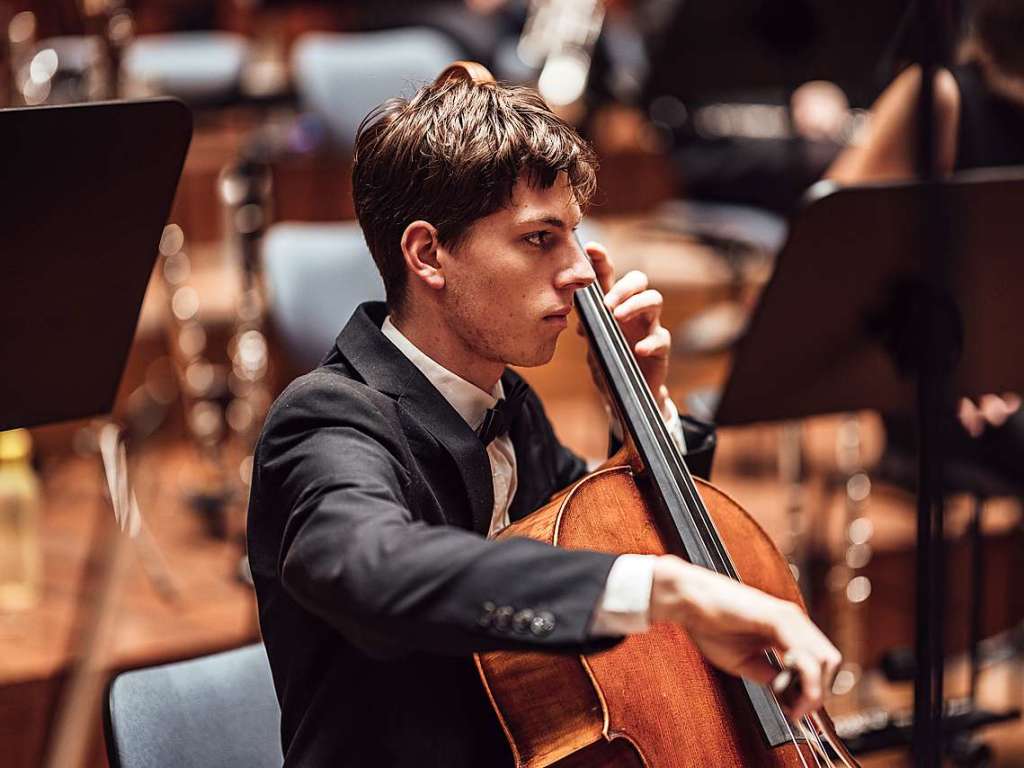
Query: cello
(652,701)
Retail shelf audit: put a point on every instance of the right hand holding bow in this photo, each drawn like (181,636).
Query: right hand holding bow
(733,624)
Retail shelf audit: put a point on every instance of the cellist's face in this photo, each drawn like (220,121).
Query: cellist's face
(509,283)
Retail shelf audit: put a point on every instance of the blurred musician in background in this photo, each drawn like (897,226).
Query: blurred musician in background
(377,477)
(756,96)
(979,106)
(979,113)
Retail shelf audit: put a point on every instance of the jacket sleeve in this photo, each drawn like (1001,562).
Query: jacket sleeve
(347,547)
(701,441)
(700,437)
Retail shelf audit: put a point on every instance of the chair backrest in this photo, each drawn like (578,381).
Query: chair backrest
(194,66)
(217,711)
(316,275)
(341,77)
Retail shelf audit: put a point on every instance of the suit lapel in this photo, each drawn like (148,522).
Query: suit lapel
(383,367)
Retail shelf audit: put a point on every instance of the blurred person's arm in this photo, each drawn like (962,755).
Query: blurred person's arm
(887,150)
(485,7)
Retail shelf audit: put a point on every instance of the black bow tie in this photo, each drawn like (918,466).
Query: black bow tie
(498,419)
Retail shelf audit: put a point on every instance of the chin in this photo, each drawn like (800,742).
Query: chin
(532,358)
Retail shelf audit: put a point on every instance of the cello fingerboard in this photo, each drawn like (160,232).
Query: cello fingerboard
(682,516)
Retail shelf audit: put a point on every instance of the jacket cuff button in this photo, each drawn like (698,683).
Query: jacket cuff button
(503,618)
(521,621)
(487,616)
(543,624)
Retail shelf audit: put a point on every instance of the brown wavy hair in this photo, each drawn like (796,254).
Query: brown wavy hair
(451,155)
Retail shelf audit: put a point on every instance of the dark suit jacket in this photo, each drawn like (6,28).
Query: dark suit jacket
(370,500)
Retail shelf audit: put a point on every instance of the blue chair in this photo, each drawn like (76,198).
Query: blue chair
(198,67)
(217,711)
(341,77)
(316,275)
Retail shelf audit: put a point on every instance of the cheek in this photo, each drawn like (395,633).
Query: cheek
(504,298)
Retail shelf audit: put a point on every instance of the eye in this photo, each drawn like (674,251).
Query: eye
(538,239)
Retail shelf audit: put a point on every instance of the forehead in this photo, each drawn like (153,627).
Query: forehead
(531,202)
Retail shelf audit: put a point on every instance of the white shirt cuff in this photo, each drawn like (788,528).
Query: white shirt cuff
(673,424)
(625,606)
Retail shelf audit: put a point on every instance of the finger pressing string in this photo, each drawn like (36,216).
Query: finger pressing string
(604,269)
(630,284)
(644,303)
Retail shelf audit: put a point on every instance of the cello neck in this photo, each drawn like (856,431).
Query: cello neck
(683,519)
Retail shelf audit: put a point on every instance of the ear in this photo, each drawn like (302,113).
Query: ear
(419,247)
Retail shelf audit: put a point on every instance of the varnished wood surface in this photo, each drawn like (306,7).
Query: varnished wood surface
(37,647)
(215,609)
(654,692)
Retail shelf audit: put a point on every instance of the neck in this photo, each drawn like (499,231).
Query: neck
(432,336)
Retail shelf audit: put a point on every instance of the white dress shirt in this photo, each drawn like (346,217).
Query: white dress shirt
(624,607)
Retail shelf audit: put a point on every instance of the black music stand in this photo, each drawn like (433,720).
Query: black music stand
(88,189)
(854,318)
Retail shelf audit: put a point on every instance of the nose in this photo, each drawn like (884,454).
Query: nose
(577,272)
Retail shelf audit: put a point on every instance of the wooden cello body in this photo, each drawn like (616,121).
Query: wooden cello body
(652,700)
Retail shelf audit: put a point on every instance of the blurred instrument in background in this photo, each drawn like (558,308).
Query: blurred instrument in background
(67,68)
(245,189)
(225,395)
(201,382)
(114,25)
(558,40)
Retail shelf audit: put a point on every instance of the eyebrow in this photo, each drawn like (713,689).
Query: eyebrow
(553,221)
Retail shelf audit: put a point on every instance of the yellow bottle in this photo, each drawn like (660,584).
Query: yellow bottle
(20,556)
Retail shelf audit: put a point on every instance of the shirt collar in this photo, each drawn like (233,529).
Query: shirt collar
(469,401)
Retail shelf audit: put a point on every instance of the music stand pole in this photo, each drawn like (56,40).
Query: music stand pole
(934,402)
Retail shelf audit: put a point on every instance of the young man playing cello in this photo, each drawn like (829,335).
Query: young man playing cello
(373,494)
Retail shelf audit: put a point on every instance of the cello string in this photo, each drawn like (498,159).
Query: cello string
(774,660)
(810,733)
(718,560)
(629,367)
(813,743)
(809,726)
(810,720)
(816,717)
(718,556)
(792,736)
(642,394)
